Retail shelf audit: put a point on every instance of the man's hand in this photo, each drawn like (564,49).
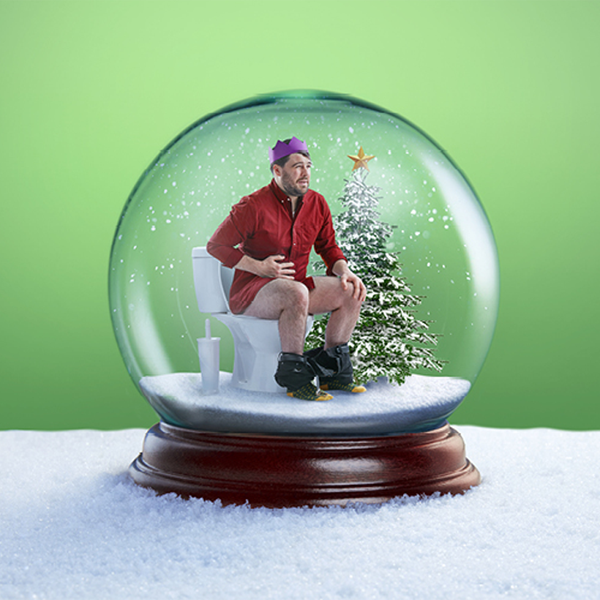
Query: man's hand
(360,291)
(348,277)
(271,267)
(274,268)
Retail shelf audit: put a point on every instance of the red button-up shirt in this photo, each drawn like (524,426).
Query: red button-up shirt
(262,225)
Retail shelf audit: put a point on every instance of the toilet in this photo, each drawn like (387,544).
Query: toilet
(256,341)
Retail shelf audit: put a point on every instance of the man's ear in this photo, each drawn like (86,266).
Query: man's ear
(277,170)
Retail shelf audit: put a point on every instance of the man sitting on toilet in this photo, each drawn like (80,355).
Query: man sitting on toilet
(268,237)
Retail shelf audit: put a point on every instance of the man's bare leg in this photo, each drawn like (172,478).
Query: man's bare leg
(332,362)
(329,296)
(287,301)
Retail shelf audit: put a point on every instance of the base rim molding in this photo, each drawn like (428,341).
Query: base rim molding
(291,471)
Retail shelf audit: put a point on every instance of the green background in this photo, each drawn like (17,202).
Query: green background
(92,91)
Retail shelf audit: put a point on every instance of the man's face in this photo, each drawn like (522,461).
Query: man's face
(294,177)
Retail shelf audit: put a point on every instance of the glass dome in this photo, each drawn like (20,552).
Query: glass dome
(439,231)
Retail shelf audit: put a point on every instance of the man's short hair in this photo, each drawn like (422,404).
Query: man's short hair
(281,162)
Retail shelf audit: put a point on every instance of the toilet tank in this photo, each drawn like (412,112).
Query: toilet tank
(212,281)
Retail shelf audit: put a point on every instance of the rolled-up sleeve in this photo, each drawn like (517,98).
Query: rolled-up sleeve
(237,227)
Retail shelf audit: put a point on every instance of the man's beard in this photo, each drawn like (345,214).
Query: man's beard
(290,189)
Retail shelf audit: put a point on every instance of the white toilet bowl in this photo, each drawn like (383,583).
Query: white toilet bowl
(256,341)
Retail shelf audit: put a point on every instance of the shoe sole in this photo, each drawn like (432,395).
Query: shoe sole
(320,398)
(357,389)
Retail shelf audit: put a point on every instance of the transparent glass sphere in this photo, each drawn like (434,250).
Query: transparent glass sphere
(440,232)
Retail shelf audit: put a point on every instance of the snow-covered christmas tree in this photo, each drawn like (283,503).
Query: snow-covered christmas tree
(388,340)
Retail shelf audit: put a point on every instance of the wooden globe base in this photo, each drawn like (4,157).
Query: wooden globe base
(278,471)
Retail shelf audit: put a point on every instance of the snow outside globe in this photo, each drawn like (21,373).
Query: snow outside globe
(408,222)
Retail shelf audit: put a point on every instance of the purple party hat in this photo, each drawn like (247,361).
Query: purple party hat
(282,149)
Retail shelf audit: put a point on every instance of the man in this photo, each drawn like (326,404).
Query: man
(275,228)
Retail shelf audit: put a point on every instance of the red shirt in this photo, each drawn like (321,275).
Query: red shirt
(261,225)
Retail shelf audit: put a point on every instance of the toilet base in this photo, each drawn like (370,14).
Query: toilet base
(256,351)
(280,471)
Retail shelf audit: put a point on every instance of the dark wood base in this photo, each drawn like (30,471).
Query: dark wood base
(278,471)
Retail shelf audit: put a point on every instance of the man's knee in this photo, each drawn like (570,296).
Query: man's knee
(296,295)
(349,299)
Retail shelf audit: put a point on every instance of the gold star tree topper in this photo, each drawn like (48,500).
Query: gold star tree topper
(360,160)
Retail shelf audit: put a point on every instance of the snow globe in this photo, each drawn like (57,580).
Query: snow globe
(409,224)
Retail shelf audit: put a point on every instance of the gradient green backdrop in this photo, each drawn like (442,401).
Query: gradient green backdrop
(91,91)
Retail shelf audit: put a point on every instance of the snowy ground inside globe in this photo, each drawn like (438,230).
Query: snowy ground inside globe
(421,402)
(73,525)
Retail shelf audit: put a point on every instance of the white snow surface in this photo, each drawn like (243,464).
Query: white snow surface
(421,402)
(73,525)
